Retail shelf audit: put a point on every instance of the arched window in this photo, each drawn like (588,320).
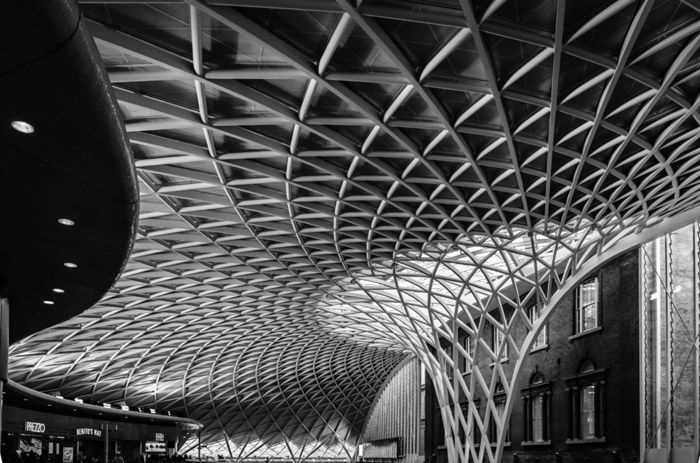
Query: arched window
(499,399)
(587,401)
(586,367)
(536,409)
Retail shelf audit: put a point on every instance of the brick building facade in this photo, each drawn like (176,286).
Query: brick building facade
(551,420)
(613,378)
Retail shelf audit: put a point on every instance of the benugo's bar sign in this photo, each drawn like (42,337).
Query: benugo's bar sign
(33,426)
(88,432)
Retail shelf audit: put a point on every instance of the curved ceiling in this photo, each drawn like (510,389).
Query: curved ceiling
(327,187)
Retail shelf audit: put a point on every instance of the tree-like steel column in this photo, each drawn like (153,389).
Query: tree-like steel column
(474,299)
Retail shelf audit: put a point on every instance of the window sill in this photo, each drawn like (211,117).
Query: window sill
(528,443)
(584,333)
(540,348)
(596,440)
(493,364)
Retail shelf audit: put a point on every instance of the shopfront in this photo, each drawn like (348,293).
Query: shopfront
(89,445)
(31,440)
(40,437)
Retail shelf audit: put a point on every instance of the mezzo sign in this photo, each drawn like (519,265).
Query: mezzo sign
(33,426)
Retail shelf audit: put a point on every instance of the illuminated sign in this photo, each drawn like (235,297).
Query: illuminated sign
(160,436)
(33,426)
(154,447)
(90,432)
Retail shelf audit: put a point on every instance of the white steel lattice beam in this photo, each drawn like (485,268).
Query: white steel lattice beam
(328,187)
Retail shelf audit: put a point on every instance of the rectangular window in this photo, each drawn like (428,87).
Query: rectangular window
(588,412)
(498,339)
(587,306)
(469,348)
(448,364)
(500,411)
(538,418)
(586,404)
(543,337)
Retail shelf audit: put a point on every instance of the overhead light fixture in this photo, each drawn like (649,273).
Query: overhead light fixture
(47,302)
(70,265)
(66,222)
(22,127)
(152,410)
(58,291)
(79,400)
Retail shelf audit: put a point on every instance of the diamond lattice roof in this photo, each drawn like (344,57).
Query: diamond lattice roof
(326,186)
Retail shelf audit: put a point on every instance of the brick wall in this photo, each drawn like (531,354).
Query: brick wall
(615,348)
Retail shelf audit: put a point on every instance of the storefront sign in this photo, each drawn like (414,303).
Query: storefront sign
(89,432)
(155,447)
(33,426)
(160,436)
(67,454)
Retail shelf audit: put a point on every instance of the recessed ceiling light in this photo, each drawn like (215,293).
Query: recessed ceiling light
(70,265)
(22,127)
(47,302)
(66,222)
(58,291)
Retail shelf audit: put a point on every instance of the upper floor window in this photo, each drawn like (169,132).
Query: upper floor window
(498,339)
(534,313)
(587,305)
(448,360)
(469,349)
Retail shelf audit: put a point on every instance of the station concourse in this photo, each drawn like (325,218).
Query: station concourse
(425,231)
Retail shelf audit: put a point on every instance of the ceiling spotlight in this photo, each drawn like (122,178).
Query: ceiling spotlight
(22,127)
(66,222)
(70,265)
(58,291)
(47,302)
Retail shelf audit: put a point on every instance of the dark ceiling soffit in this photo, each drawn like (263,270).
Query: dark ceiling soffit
(89,409)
